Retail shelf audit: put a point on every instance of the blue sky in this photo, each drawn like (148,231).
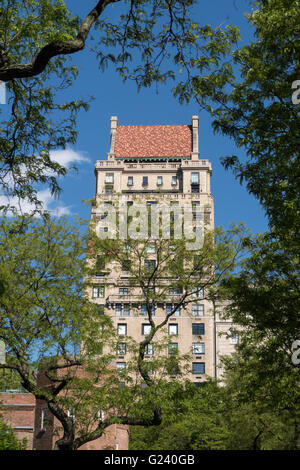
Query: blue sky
(149,106)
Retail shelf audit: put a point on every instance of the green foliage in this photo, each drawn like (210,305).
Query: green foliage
(35,119)
(8,439)
(251,102)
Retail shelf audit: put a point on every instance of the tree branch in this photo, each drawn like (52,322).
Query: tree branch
(55,48)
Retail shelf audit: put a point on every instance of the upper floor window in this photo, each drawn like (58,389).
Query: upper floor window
(146,328)
(175,291)
(198,348)
(172,348)
(173,329)
(234,337)
(150,264)
(126,265)
(123,291)
(121,349)
(195,178)
(150,248)
(144,310)
(174,180)
(145,181)
(197,310)
(98,291)
(122,310)
(170,308)
(130,181)
(198,292)
(100,309)
(159,180)
(149,349)
(100,263)
(122,329)
(109,178)
(198,368)
(198,329)
(108,190)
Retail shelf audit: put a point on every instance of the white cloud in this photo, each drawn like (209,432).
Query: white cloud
(48,204)
(67,157)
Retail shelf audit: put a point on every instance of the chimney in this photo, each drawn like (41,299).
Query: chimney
(195,128)
(113,132)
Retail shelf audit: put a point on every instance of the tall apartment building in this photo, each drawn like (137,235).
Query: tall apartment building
(159,163)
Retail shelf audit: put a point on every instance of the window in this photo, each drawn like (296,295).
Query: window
(145,181)
(150,248)
(198,348)
(177,311)
(172,348)
(126,248)
(121,349)
(126,265)
(144,310)
(100,309)
(121,366)
(103,229)
(122,309)
(149,349)
(175,291)
(123,291)
(109,178)
(43,419)
(234,337)
(195,182)
(198,293)
(150,264)
(71,414)
(173,329)
(126,310)
(159,181)
(174,180)
(198,328)
(197,310)
(100,263)
(101,416)
(198,368)
(146,328)
(122,329)
(195,178)
(108,190)
(130,181)
(118,310)
(98,291)
(169,308)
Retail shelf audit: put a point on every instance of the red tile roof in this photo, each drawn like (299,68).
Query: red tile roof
(153,141)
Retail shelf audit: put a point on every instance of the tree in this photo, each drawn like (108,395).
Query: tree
(196,421)
(8,439)
(147,43)
(254,101)
(51,329)
(251,101)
